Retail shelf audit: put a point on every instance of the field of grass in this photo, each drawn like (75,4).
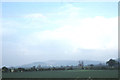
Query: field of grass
(64,74)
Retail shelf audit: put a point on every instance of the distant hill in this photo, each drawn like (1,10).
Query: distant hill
(59,63)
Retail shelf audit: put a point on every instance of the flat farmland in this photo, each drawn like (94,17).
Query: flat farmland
(64,74)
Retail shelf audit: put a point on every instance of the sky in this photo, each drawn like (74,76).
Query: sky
(41,31)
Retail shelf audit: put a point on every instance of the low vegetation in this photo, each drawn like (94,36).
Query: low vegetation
(95,71)
(110,65)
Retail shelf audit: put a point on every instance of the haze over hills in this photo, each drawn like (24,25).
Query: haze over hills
(51,63)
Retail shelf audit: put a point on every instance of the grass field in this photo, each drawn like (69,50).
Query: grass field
(64,74)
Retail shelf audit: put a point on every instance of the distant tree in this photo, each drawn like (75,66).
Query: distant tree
(103,67)
(91,66)
(53,68)
(119,65)
(33,69)
(70,68)
(21,69)
(5,69)
(111,63)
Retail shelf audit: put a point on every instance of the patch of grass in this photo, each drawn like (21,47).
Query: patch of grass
(64,74)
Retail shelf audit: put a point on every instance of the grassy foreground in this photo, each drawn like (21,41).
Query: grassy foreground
(64,74)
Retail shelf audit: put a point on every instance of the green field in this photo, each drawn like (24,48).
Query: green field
(64,74)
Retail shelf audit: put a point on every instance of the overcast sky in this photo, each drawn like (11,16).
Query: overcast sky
(35,32)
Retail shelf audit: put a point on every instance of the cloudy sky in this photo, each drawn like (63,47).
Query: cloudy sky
(59,31)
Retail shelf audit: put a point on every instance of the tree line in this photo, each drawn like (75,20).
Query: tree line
(111,64)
